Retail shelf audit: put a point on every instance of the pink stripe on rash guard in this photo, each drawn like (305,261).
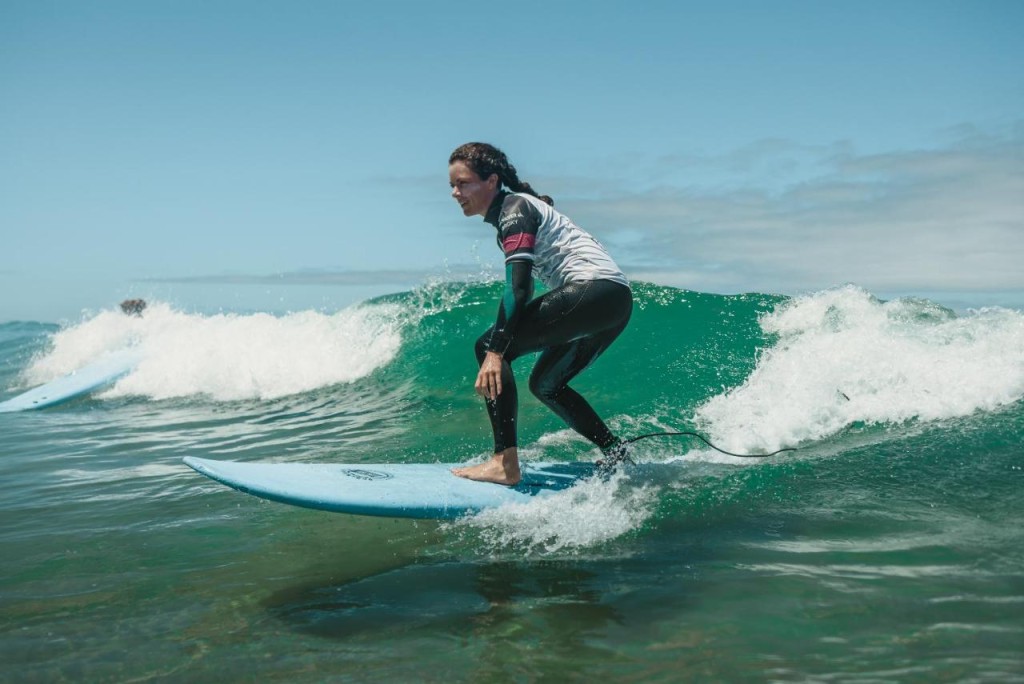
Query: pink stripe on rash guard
(520,241)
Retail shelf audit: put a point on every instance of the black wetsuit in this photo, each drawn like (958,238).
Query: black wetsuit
(589,305)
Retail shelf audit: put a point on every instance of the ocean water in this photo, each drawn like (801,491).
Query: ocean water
(888,548)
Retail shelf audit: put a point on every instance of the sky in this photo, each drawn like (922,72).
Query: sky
(277,156)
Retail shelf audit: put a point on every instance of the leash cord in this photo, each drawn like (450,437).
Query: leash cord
(706,441)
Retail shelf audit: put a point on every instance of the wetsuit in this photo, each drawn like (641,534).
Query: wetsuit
(588,305)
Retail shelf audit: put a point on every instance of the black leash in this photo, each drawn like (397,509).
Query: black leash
(705,440)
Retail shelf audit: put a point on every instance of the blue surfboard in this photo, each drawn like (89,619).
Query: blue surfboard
(394,490)
(90,378)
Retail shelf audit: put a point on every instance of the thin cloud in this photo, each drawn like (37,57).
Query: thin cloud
(942,219)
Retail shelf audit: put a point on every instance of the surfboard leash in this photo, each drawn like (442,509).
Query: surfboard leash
(706,441)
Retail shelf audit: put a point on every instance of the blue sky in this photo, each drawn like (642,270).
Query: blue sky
(285,155)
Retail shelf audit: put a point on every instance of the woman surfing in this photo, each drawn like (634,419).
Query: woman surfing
(587,306)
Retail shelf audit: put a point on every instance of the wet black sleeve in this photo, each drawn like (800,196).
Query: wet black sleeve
(517,230)
(518,292)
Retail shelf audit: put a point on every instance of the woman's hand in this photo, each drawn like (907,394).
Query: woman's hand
(488,381)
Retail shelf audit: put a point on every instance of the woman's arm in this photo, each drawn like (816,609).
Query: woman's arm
(518,292)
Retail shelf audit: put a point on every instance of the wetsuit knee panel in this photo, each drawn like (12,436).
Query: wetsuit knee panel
(546,385)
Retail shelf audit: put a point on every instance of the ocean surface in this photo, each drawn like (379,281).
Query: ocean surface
(889,547)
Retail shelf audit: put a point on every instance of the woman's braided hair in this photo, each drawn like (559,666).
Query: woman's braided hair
(485,159)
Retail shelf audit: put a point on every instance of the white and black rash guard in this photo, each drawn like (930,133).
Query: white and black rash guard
(533,235)
(561,252)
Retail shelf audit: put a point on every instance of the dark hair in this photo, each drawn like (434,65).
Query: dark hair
(485,159)
(133,307)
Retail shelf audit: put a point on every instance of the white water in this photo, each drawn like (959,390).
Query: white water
(230,356)
(593,511)
(844,357)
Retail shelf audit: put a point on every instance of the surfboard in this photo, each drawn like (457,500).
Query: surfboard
(95,375)
(394,490)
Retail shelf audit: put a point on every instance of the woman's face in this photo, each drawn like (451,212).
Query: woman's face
(472,193)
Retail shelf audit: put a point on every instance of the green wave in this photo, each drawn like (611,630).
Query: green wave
(680,349)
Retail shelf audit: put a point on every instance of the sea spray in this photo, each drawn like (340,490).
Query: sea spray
(843,357)
(594,511)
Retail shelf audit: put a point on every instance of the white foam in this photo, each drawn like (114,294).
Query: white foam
(591,512)
(231,356)
(78,345)
(894,361)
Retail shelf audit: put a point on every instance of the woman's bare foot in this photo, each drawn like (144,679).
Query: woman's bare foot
(503,468)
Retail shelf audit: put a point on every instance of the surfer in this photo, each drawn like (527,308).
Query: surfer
(133,307)
(587,306)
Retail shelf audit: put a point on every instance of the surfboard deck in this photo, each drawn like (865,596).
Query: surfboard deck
(394,490)
(89,378)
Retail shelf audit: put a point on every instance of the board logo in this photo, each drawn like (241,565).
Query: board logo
(360,474)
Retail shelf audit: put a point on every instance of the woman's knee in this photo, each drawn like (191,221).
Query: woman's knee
(543,387)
